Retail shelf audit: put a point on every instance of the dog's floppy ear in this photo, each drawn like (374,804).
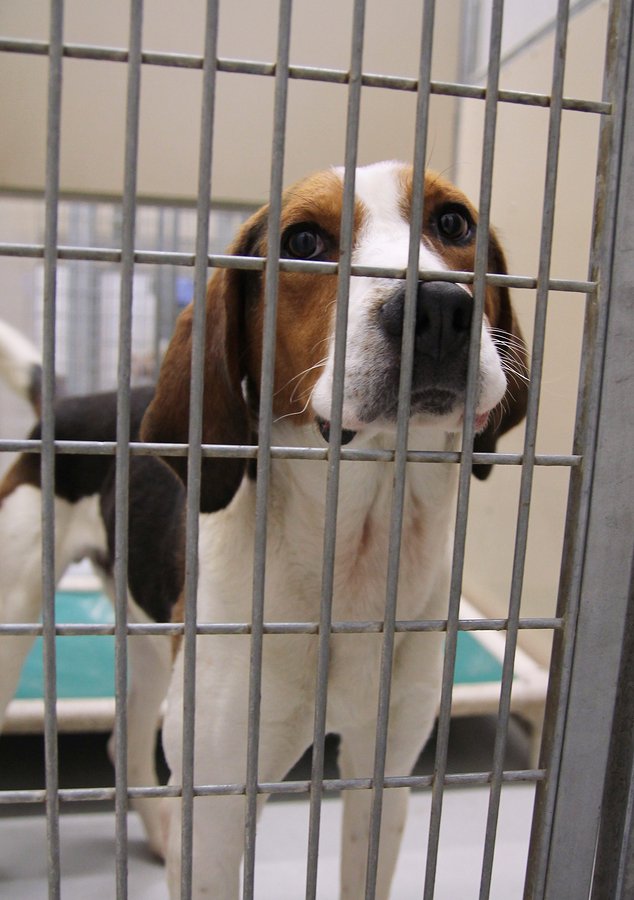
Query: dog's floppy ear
(512,349)
(225,415)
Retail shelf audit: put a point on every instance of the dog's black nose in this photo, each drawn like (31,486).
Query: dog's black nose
(443,318)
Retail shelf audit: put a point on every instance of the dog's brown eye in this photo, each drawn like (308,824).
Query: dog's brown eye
(303,242)
(454,224)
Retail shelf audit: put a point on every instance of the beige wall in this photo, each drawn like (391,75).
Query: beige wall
(94,94)
(520,154)
(93,112)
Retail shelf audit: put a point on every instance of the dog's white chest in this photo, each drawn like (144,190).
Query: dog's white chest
(295,585)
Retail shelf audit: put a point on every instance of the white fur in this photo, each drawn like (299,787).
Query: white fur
(293,587)
(18,356)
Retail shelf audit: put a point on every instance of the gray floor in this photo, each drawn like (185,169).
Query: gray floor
(87,829)
(88,852)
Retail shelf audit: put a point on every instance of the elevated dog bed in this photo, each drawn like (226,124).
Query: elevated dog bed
(85,670)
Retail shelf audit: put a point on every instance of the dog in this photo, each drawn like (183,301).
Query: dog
(302,413)
(84,528)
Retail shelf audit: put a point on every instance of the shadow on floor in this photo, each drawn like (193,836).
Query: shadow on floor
(84,763)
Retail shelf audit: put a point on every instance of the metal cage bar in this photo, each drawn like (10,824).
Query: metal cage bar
(334,454)
(122,460)
(248,451)
(608,541)
(569,870)
(264,438)
(195,444)
(614,866)
(306,73)
(526,481)
(400,454)
(466,779)
(481,254)
(254,263)
(337,627)
(53,140)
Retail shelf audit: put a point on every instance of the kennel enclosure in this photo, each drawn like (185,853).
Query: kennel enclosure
(581,842)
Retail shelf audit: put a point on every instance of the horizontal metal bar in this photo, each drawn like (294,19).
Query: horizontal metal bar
(257,264)
(371,626)
(464,779)
(249,451)
(301,73)
(467,779)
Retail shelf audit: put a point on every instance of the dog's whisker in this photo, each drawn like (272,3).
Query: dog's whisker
(516,373)
(320,364)
(502,338)
(299,412)
(295,392)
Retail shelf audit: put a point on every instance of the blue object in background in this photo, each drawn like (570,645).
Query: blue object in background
(474,663)
(184,290)
(85,663)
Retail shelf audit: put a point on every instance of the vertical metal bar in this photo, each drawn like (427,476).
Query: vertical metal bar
(539,332)
(195,442)
(479,289)
(122,461)
(468,50)
(402,431)
(158,280)
(614,868)
(264,438)
(609,540)
(94,338)
(48,447)
(334,455)
(579,502)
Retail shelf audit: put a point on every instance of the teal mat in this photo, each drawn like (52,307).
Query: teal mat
(474,664)
(85,663)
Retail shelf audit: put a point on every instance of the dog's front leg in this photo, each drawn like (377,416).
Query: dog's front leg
(149,673)
(222,689)
(356,761)
(411,718)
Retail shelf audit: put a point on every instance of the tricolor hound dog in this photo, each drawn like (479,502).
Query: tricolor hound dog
(302,412)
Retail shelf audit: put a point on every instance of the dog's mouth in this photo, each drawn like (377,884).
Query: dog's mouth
(481,422)
(324,429)
(433,401)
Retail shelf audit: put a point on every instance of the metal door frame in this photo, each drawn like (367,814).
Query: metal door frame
(599,545)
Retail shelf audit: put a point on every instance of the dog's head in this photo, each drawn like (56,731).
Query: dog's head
(311,216)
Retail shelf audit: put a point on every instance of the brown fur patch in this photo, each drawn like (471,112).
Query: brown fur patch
(460,258)
(438,192)
(25,470)
(306,302)
(178,617)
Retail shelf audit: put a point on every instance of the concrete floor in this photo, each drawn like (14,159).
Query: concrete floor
(88,852)
(87,829)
